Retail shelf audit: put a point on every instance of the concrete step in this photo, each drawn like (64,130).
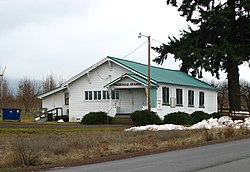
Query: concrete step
(122,119)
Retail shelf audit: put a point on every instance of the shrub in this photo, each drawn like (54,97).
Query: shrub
(25,152)
(144,118)
(95,118)
(178,118)
(216,115)
(198,116)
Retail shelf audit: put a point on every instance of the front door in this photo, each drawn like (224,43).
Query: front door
(131,100)
(138,99)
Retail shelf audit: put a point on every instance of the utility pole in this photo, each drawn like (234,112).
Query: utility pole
(1,86)
(149,76)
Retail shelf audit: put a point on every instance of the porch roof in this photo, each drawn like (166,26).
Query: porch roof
(51,92)
(133,77)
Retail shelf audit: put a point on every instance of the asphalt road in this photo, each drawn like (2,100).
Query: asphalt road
(225,157)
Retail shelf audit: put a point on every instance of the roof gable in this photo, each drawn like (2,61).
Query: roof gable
(139,72)
(85,72)
(133,77)
(43,95)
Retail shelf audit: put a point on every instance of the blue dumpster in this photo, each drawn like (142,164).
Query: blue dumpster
(11,114)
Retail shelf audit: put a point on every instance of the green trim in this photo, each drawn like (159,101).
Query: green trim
(153,97)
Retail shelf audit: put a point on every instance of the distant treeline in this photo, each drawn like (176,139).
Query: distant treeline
(223,102)
(24,94)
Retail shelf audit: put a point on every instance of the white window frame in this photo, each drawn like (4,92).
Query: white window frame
(105,95)
(165,96)
(87,94)
(179,98)
(190,98)
(97,95)
(115,94)
(201,99)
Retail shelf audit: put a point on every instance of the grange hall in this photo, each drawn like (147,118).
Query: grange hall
(119,86)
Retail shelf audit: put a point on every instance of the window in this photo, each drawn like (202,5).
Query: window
(190,98)
(115,94)
(66,98)
(105,95)
(88,95)
(97,95)
(179,97)
(201,99)
(100,95)
(165,95)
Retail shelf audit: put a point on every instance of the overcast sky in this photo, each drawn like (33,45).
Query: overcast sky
(64,37)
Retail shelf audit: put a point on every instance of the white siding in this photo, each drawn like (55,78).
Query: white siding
(210,100)
(94,81)
(55,100)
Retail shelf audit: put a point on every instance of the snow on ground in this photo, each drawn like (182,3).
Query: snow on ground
(222,122)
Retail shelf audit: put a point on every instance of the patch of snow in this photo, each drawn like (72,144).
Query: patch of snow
(157,127)
(222,122)
(60,120)
(37,118)
(247,123)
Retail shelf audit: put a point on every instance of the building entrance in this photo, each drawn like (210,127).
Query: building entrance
(131,100)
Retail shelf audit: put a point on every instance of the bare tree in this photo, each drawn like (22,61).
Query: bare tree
(223,100)
(50,83)
(245,95)
(8,96)
(27,94)
(1,85)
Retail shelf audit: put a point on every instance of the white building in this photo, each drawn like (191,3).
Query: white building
(119,86)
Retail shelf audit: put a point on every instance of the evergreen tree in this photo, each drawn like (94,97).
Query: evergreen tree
(221,41)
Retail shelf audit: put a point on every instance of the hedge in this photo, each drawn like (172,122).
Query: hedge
(95,118)
(217,115)
(144,117)
(178,118)
(198,116)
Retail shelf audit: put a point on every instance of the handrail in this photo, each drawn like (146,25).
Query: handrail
(56,109)
(44,113)
(112,106)
(232,112)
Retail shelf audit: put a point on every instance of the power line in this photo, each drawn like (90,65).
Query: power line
(135,50)
(157,41)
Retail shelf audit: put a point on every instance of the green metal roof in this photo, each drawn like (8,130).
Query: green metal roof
(161,75)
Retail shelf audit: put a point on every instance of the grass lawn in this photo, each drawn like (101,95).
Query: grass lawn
(53,143)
